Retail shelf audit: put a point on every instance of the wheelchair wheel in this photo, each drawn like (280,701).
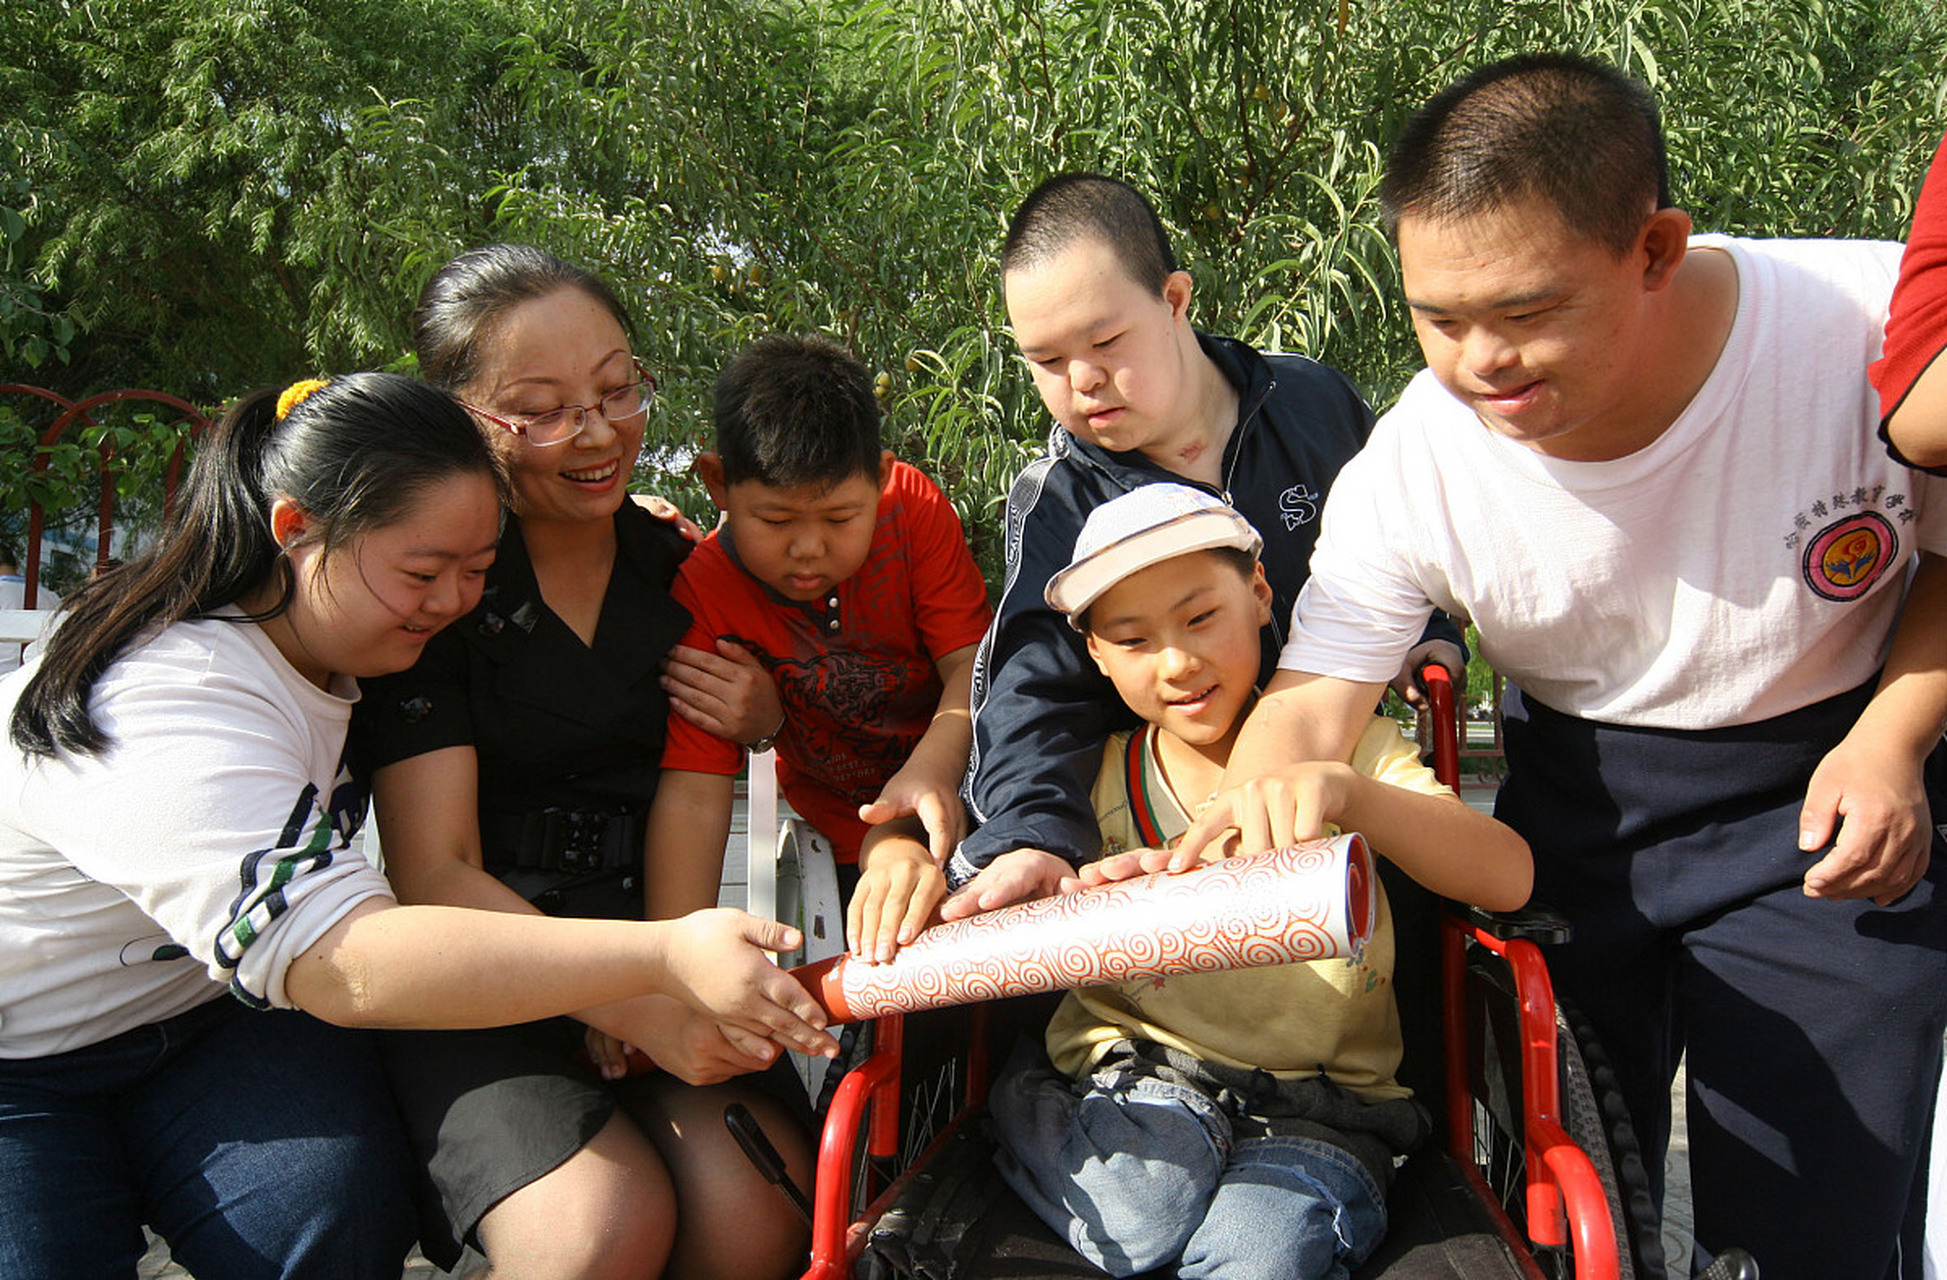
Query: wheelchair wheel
(1597,1120)
(1592,1112)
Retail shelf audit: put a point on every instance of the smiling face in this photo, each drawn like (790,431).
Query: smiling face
(371,605)
(799,540)
(563,348)
(1546,335)
(1179,640)
(1114,363)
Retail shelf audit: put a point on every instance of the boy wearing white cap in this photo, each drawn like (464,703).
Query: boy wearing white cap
(1239,1123)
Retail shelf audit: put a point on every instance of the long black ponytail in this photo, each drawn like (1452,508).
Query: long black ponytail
(353,452)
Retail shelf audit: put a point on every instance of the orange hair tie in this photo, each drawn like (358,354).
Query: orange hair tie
(296,394)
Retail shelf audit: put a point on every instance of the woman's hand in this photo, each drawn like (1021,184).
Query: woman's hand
(668,512)
(727,693)
(669,1034)
(715,963)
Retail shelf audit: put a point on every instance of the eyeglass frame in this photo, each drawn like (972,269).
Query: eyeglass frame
(516,426)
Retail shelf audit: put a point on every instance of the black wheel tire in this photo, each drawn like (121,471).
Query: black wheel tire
(1598,1121)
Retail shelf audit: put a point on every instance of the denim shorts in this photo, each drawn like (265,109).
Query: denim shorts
(256,1143)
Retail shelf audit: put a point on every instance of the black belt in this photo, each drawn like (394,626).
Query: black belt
(570,840)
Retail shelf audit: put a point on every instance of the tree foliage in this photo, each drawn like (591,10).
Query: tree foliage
(219,193)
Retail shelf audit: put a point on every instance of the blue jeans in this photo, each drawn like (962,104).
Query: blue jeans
(1138,1172)
(258,1144)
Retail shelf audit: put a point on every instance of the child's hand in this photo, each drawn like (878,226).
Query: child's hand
(1123,866)
(716,964)
(916,791)
(727,693)
(896,894)
(610,1056)
(1017,876)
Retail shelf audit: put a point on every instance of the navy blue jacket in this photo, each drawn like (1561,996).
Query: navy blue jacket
(1041,708)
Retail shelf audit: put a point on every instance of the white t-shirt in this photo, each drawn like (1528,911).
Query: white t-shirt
(1748,562)
(207,846)
(13,595)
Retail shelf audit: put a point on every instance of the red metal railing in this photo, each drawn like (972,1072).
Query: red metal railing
(70,412)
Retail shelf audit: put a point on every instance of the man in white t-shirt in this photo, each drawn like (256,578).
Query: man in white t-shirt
(13,595)
(1644,464)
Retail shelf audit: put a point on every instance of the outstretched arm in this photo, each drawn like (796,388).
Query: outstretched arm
(1433,837)
(383,965)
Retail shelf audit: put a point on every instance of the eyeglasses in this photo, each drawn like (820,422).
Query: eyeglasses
(558,426)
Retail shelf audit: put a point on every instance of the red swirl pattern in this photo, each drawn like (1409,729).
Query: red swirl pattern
(1287,905)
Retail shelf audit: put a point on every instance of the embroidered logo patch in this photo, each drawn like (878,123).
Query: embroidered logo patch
(1846,558)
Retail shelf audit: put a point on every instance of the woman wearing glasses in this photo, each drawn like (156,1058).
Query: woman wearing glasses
(513,768)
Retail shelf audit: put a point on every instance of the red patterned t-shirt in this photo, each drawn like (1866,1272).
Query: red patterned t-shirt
(855,669)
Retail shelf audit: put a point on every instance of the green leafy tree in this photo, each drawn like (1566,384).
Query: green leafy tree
(225,192)
(240,191)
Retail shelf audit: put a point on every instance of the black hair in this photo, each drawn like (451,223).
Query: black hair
(8,555)
(354,454)
(796,411)
(1582,136)
(467,297)
(1076,206)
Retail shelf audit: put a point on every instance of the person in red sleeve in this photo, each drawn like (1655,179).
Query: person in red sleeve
(1910,379)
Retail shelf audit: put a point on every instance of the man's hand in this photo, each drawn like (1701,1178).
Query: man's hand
(1876,803)
(727,693)
(1018,876)
(1279,809)
(1445,652)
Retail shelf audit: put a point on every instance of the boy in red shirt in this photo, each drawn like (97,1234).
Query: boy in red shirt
(846,575)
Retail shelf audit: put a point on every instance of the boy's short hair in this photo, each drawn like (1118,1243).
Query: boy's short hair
(794,411)
(1579,135)
(1077,206)
(1146,526)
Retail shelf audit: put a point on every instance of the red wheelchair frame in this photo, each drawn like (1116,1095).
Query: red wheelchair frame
(1567,1209)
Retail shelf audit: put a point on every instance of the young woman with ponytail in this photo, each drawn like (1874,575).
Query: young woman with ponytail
(175,819)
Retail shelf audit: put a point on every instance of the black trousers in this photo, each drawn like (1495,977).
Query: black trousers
(1813,1027)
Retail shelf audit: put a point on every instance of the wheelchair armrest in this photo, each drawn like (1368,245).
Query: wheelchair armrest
(1538,924)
